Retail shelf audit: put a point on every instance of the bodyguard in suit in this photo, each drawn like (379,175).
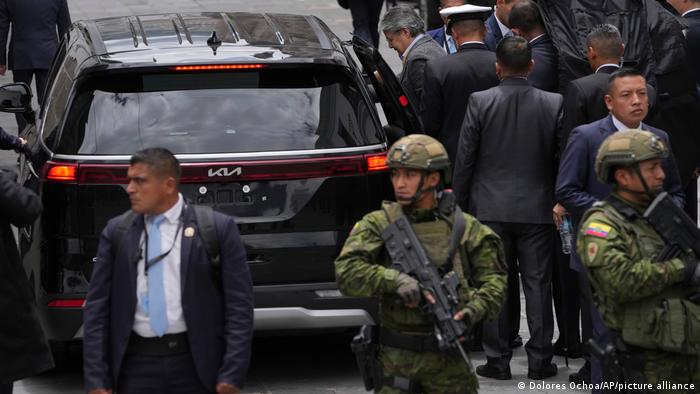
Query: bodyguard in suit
(441,35)
(158,317)
(36,27)
(497,24)
(504,176)
(405,33)
(450,80)
(577,187)
(584,98)
(525,21)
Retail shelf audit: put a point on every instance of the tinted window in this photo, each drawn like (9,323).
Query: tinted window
(267,110)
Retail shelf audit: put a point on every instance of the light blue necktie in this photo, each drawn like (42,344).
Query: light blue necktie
(451,48)
(156,293)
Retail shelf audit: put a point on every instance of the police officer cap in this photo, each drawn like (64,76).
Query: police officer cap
(464,12)
(626,148)
(420,152)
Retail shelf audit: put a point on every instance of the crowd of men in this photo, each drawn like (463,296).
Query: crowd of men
(523,148)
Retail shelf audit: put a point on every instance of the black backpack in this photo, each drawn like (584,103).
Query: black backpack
(204,216)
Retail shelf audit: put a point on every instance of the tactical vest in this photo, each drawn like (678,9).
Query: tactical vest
(665,321)
(435,238)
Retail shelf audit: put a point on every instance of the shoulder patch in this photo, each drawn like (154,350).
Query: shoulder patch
(597,229)
(592,250)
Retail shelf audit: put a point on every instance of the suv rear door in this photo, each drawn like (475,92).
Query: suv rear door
(397,108)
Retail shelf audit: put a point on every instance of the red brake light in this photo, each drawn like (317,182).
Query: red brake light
(376,162)
(74,303)
(403,101)
(213,67)
(61,173)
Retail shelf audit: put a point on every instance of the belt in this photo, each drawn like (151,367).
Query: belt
(167,345)
(413,342)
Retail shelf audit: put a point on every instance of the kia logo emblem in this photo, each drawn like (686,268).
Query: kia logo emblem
(223,171)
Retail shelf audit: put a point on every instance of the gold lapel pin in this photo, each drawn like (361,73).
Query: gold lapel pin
(189,232)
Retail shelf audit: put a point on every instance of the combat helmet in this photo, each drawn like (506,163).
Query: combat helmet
(420,152)
(627,148)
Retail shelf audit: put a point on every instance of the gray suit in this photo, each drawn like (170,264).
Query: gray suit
(504,176)
(414,61)
(36,28)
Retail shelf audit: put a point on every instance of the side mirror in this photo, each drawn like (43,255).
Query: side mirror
(15,98)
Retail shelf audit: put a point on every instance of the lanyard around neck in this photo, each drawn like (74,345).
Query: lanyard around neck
(148,263)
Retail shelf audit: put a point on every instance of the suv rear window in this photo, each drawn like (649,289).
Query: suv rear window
(285,108)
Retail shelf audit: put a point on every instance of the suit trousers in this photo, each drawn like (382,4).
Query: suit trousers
(6,388)
(26,76)
(365,19)
(566,297)
(174,374)
(530,248)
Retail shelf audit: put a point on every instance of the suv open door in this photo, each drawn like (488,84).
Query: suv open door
(398,109)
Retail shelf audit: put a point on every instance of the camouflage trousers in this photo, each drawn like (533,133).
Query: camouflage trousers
(436,373)
(663,369)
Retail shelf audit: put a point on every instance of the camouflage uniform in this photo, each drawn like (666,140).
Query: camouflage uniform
(362,269)
(618,247)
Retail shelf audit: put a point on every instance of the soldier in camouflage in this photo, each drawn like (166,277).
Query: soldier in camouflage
(642,300)
(408,349)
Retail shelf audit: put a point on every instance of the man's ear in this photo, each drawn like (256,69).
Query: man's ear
(433,179)
(623,176)
(608,102)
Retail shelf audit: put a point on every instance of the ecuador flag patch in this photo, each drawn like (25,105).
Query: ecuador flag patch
(598,230)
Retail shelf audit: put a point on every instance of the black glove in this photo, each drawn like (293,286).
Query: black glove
(692,271)
(409,289)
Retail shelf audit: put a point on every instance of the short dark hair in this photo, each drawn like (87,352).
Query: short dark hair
(160,160)
(525,16)
(469,26)
(606,40)
(514,54)
(622,73)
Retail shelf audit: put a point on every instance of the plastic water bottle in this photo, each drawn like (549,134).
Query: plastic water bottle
(565,234)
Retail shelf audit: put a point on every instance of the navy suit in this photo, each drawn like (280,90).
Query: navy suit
(545,73)
(438,35)
(577,188)
(219,317)
(493,33)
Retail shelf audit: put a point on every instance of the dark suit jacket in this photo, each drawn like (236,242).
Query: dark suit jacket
(449,81)
(438,35)
(34,32)
(545,73)
(219,319)
(25,349)
(506,162)
(584,100)
(693,41)
(413,73)
(493,33)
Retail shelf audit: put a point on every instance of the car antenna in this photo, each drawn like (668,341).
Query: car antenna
(214,42)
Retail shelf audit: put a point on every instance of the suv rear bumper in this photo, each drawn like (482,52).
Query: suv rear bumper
(278,307)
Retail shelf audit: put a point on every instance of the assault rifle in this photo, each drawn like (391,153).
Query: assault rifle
(408,256)
(674,226)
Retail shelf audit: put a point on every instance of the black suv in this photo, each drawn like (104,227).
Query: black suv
(272,120)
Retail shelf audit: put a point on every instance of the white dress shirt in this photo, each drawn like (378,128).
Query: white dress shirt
(621,126)
(171,275)
(689,11)
(410,46)
(505,30)
(606,65)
